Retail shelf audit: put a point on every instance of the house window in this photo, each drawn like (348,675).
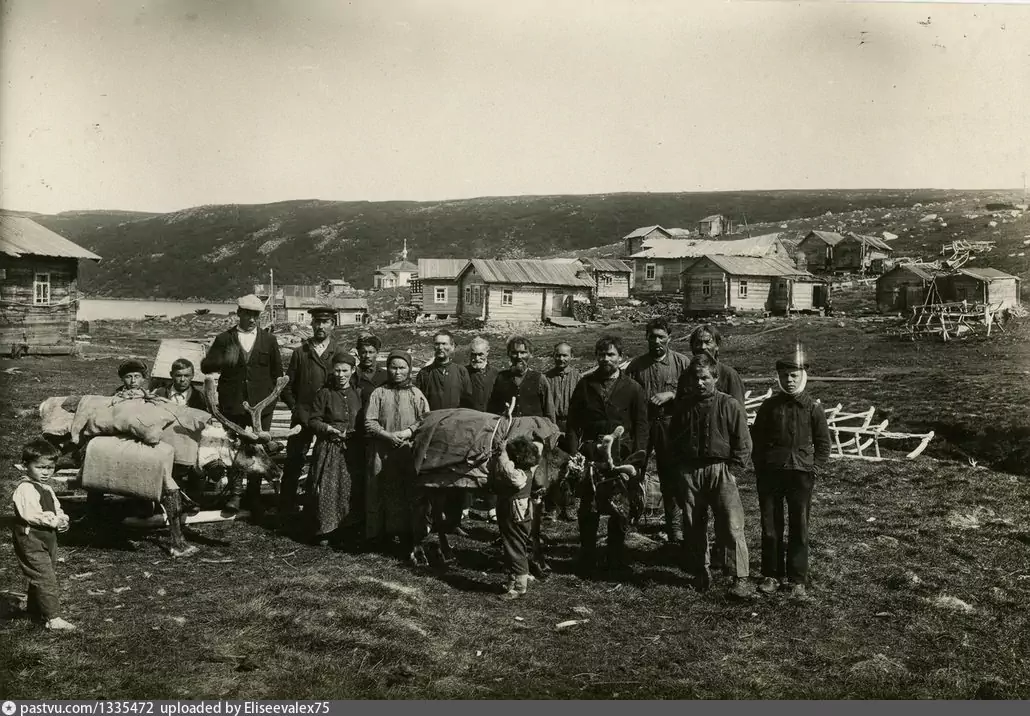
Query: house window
(440,294)
(41,290)
(468,294)
(829,254)
(649,272)
(507,297)
(742,289)
(606,280)
(706,287)
(359,318)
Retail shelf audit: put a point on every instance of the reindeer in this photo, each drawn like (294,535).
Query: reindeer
(606,489)
(253,458)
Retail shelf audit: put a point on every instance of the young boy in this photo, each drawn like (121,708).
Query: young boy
(37,520)
(791,440)
(513,484)
(133,373)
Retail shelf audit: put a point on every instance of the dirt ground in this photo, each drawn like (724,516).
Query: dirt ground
(921,570)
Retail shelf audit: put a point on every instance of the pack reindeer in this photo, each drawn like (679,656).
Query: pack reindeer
(252,462)
(606,489)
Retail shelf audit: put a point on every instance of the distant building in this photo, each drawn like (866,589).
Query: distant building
(658,267)
(741,284)
(611,277)
(636,239)
(714,225)
(400,273)
(980,285)
(436,288)
(522,291)
(349,310)
(817,246)
(903,287)
(39,293)
(829,251)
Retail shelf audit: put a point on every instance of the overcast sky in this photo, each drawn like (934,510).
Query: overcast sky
(153,105)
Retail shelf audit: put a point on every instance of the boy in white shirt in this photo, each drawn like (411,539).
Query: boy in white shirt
(38,518)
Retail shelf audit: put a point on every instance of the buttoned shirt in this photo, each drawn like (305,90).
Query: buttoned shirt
(247,338)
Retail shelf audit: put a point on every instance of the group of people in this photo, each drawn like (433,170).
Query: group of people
(686,410)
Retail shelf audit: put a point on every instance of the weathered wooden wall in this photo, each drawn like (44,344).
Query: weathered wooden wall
(666,278)
(896,290)
(758,290)
(619,287)
(42,328)
(694,298)
(814,250)
(429,303)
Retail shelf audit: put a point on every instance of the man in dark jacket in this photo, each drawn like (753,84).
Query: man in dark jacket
(310,367)
(367,377)
(482,374)
(444,383)
(603,400)
(659,373)
(792,441)
(707,340)
(181,391)
(709,430)
(248,362)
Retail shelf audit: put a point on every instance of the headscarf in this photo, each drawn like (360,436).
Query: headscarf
(795,363)
(406,383)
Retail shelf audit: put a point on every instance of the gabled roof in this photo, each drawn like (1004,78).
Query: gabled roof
(757,246)
(20,236)
(873,241)
(336,302)
(440,268)
(713,217)
(985,274)
(752,266)
(830,237)
(644,231)
(611,265)
(923,271)
(532,272)
(398,266)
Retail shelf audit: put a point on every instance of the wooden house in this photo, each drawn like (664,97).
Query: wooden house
(903,287)
(349,310)
(39,296)
(857,253)
(436,288)
(980,285)
(715,225)
(818,247)
(611,277)
(400,273)
(523,291)
(741,284)
(636,239)
(658,267)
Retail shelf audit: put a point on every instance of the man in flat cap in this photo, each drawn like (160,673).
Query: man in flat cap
(311,366)
(249,363)
(791,443)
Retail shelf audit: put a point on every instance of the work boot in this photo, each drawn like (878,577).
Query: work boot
(237,486)
(740,589)
(768,585)
(794,589)
(418,558)
(516,588)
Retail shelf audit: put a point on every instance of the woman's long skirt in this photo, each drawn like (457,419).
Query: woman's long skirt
(329,489)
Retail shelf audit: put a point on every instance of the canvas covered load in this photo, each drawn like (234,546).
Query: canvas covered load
(452,447)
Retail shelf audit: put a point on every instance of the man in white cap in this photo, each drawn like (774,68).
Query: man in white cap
(248,362)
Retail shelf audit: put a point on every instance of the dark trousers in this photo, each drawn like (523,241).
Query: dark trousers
(297,447)
(785,558)
(515,522)
(668,476)
(37,557)
(589,522)
(712,486)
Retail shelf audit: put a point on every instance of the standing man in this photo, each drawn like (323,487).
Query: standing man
(249,363)
(563,378)
(447,385)
(482,376)
(707,339)
(367,377)
(713,445)
(659,373)
(310,367)
(602,401)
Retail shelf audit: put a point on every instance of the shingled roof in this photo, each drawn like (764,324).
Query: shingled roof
(529,272)
(21,236)
(758,246)
(752,266)
(440,268)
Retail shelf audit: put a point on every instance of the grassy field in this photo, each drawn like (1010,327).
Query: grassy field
(921,570)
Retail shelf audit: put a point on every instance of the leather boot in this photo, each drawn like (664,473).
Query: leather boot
(237,486)
(516,588)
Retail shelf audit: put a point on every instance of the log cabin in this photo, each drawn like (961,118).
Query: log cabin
(903,287)
(745,284)
(39,296)
(980,285)
(523,291)
(436,288)
(611,277)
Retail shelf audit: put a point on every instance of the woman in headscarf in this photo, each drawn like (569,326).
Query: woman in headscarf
(333,415)
(394,410)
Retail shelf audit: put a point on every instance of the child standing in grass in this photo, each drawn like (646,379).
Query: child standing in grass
(512,479)
(791,440)
(38,518)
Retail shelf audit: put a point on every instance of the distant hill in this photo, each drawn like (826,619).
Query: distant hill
(219,251)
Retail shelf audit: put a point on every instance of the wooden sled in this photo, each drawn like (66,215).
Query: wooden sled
(866,435)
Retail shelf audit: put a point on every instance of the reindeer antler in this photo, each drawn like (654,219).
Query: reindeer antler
(270,399)
(211,395)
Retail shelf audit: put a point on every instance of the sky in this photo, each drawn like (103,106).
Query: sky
(159,105)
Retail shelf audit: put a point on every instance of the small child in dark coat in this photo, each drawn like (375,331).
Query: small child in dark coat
(512,481)
(791,442)
(38,518)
